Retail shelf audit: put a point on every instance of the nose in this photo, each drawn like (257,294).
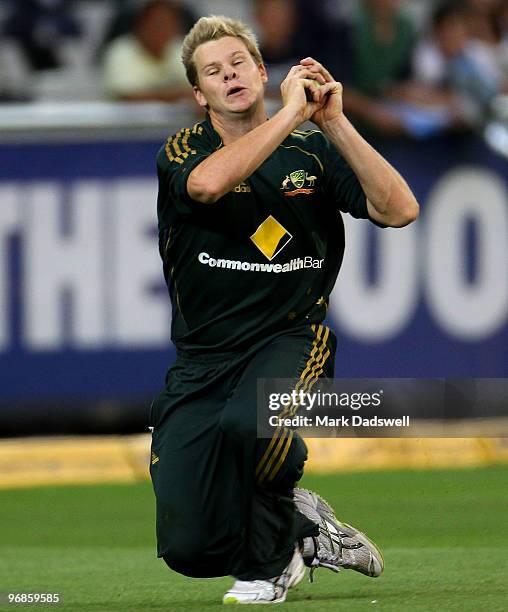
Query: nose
(230,74)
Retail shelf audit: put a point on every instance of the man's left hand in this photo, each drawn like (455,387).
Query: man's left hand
(329,95)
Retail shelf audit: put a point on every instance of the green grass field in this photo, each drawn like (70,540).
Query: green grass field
(444,535)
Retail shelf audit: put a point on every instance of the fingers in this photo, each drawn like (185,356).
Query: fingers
(312,107)
(317,93)
(312,90)
(310,73)
(305,72)
(308,80)
(316,68)
(330,88)
(301,77)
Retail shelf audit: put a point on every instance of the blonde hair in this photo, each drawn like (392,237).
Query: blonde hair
(215,27)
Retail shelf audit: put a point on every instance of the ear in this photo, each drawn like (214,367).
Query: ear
(263,73)
(200,98)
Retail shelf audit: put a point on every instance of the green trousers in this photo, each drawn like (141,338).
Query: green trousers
(224,496)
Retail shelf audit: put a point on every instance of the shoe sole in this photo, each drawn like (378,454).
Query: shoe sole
(232,600)
(298,576)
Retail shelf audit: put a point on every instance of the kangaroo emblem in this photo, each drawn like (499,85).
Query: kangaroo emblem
(285,182)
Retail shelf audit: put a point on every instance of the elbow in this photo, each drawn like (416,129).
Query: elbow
(407,213)
(203,191)
(412,211)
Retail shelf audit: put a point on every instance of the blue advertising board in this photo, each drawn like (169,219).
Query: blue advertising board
(84,312)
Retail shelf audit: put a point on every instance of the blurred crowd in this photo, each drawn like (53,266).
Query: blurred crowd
(408,67)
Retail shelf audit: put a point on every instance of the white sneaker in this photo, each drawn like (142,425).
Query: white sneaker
(338,545)
(269,591)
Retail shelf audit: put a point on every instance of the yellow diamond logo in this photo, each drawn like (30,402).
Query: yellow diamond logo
(270,237)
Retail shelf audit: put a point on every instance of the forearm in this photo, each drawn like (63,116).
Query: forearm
(389,198)
(230,165)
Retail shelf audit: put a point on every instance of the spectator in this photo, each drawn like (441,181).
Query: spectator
(277,28)
(448,38)
(382,45)
(323,33)
(39,27)
(145,64)
(485,26)
(482,21)
(502,20)
(451,62)
(121,22)
(377,49)
(124,14)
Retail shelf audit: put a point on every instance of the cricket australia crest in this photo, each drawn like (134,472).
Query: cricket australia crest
(298,178)
(298,182)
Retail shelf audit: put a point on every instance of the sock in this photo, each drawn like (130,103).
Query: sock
(309,549)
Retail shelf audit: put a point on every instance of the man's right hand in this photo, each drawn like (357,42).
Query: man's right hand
(301,94)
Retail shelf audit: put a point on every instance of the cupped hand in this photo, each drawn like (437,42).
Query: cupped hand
(301,92)
(328,97)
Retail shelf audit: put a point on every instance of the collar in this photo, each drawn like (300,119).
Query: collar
(210,130)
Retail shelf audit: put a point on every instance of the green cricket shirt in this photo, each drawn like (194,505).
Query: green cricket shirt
(264,257)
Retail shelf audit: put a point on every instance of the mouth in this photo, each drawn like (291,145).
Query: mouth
(234,90)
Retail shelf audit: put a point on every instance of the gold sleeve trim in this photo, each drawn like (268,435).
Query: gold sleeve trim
(177,147)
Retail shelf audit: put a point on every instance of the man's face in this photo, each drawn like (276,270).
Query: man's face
(157,28)
(451,36)
(229,80)
(277,21)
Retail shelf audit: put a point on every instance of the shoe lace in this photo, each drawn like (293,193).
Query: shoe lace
(279,583)
(327,560)
(330,557)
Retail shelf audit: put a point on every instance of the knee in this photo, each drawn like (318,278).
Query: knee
(284,475)
(185,555)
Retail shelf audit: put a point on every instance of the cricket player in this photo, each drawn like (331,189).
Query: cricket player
(252,239)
